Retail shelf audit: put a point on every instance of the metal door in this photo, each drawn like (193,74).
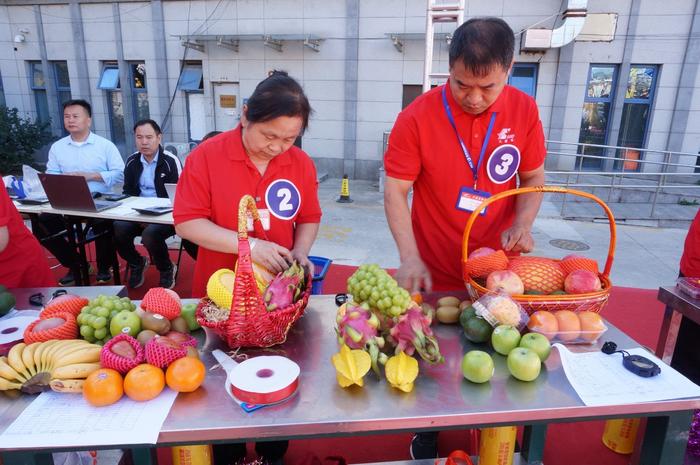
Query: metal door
(227,105)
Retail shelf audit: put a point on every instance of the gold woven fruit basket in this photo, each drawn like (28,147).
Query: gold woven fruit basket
(591,301)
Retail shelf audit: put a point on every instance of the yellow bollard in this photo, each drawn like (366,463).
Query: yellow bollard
(192,455)
(344,191)
(497,445)
(619,435)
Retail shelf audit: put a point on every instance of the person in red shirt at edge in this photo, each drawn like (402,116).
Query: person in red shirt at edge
(686,356)
(23,262)
(456,145)
(257,158)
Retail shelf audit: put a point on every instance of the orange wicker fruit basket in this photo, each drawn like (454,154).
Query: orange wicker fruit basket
(249,323)
(544,274)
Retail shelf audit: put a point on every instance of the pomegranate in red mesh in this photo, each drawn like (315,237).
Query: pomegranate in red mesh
(57,326)
(484,261)
(163,302)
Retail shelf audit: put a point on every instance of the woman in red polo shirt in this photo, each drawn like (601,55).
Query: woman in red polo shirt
(22,260)
(257,158)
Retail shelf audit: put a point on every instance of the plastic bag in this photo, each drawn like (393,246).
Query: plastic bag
(30,182)
(75,458)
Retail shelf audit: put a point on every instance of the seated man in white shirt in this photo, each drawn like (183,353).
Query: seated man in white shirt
(145,175)
(82,153)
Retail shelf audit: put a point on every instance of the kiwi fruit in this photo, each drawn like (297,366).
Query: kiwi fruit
(179,324)
(145,336)
(155,322)
(448,301)
(448,314)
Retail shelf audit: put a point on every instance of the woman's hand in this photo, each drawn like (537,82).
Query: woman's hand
(270,255)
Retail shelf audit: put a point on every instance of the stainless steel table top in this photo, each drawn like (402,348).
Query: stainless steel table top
(442,398)
(22,294)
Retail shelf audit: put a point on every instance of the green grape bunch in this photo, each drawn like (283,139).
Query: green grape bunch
(373,285)
(94,318)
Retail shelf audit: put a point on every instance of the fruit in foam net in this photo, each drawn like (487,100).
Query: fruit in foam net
(220,287)
(481,252)
(162,301)
(65,303)
(506,281)
(484,261)
(539,275)
(61,365)
(373,285)
(286,288)
(582,282)
(574,262)
(95,318)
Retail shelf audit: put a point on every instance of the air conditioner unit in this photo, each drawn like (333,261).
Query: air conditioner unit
(535,40)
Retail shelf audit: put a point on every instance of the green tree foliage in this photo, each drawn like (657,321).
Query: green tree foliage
(19,139)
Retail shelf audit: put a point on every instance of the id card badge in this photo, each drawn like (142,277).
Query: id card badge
(264,219)
(469,199)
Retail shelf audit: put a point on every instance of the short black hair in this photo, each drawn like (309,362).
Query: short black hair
(144,122)
(481,44)
(211,134)
(80,102)
(278,95)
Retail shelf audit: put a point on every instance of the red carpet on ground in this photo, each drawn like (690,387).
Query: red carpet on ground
(636,311)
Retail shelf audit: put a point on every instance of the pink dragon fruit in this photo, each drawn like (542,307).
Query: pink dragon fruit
(357,328)
(285,288)
(412,333)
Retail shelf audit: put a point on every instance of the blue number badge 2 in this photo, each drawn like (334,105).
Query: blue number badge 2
(283,199)
(503,163)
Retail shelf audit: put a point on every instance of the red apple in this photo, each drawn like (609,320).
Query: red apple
(506,281)
(581,282)
(481,252)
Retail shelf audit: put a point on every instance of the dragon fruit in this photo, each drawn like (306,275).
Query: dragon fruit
(412,333)
(357,328)
(285,288)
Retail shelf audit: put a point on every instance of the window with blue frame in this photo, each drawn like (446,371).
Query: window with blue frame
(38,86)
(109,82)
(595,116)
(2,93)
(191,82)
(636,111)
(60,71)
(523,76)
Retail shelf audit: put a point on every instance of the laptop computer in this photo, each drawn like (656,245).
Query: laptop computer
(160,209)
(170,188)
(68,192)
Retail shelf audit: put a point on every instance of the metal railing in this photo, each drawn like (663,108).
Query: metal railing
(641,169)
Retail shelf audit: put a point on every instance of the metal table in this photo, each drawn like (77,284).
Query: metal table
(442,399)
(22,294)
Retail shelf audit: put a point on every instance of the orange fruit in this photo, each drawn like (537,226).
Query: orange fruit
(544,322)
(144,382)
(592,326)
(569,325)
(185,374)
(103,387)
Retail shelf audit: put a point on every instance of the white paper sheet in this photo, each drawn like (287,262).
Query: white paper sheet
(600,379)
(127,208)
(67,420)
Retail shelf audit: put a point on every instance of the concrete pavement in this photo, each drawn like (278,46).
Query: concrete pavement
(644,256)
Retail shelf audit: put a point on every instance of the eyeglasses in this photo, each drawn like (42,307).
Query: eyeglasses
(38,299)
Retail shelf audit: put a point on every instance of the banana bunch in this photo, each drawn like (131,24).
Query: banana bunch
(61,365)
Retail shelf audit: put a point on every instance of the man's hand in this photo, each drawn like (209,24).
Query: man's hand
(270,255)
(303,260)
(517,239)
(87,175)
(414,276)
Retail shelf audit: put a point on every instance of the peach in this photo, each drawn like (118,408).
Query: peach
(581,282)
(506,281)
(481,252)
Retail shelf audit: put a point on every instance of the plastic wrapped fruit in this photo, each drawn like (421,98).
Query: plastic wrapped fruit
(500,309)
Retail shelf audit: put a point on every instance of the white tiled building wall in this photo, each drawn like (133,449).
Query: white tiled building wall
(657,35)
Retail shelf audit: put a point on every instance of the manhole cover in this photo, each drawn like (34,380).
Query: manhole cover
(566,244)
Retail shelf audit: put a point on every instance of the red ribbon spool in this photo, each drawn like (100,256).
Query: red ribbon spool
(264,380)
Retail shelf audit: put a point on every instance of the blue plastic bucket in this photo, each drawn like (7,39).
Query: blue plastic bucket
(321,265)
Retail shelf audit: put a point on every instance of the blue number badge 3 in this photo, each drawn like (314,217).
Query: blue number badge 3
(503,163)
(283,199)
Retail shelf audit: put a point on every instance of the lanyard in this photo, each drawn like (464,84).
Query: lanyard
(475,169)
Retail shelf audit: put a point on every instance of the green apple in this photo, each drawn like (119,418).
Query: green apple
(125,322)
(477,366)
(188,313)
(524,364)
(504,339)
(538,343)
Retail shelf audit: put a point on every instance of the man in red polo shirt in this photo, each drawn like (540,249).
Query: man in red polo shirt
(455,146)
